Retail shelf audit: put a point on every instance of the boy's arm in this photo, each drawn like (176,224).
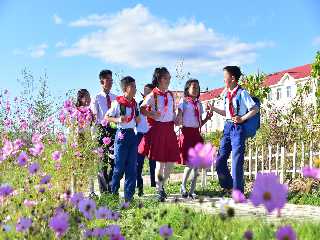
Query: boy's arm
(219,111)
(251,113)
(113,112)
(144,105)
(178,120)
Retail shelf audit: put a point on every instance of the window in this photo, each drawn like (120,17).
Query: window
(270,96)
(278,93)
(288,91)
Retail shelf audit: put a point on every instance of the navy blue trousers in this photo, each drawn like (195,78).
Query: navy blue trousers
(233,140)
(125,162)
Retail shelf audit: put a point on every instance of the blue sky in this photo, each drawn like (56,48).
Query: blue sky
(73,40)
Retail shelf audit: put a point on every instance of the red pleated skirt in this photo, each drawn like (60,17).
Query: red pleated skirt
(188,139)
(160,143)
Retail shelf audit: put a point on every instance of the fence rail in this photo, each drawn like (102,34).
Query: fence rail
(287,163)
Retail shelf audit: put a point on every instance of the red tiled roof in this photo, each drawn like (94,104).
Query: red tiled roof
(272,79)
(211,94)
(296,72)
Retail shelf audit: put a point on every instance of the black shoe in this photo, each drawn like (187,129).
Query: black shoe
(164,193)
(183,193)
(161,196)
(193,195)
(93,195)
(140,191)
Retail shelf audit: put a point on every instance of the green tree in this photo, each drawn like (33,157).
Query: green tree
(254,84)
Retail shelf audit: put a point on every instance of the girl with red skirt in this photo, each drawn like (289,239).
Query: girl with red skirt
(190,112)
(160,143)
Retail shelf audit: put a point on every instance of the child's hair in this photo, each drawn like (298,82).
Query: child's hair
(125,82)
(188,84)
(158,74)
(149,85)
(81,93)
(234,71)
(104,73)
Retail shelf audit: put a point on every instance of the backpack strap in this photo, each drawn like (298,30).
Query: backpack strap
(123,110)
(238,99)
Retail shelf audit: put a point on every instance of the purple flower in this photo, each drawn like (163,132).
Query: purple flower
(37,149)
(23,224)
(23,125)
(106,140)
(99,151)
(99,232)
(87,207)
(76,198)
(68,104)
(22,159)
(61,138)
(56,155)
(114,233)
(45,180)
(125,205)
(165,231)
(286,233)
(104,122)
(5,190)
(88,233)
(103,213)
(34,168)
(59,223)
(248,235)
(17,144)
(268,191)
(311,172)
(202,156)
(120,135)
(238,196)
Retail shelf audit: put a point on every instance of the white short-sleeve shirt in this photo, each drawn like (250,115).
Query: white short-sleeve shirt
(114,111)
(143,126)
(189,118)
(166,116)
(246,104)
(99,105)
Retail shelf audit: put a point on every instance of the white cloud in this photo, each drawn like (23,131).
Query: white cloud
(38,51)
(316,41)
(60,44)
(136,38)
(57,19)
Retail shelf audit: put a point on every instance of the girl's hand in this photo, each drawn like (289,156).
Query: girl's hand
(138,119)
(209,115)
(121,119)
(155,115)
(237,119)
(178,120)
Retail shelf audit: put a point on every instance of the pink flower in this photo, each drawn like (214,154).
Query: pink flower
(202,156)
(61,138)
(120,135)
(29,203)
(17,144)
(68,104)
(238,196)
(106,140)
(311,172)
(7,149)
(23,159)
(36,138)
(23,125)
(267,190)
(56,156)
(37,149)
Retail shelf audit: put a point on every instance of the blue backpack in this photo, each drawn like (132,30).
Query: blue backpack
(252,124)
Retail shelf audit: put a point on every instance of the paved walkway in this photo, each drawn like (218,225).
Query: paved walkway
(212,206)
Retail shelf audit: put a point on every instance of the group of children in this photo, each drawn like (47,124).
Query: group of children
(147,130)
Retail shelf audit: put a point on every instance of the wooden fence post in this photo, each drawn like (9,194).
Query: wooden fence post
(282,175)
(270,156)
(250,162)
(294,160)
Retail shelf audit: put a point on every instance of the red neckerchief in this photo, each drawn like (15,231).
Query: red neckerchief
(130,104)
(108,100)
(195,105)
(230,96)
(157,91)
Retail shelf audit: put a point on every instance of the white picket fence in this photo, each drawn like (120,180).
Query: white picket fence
(273,159)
